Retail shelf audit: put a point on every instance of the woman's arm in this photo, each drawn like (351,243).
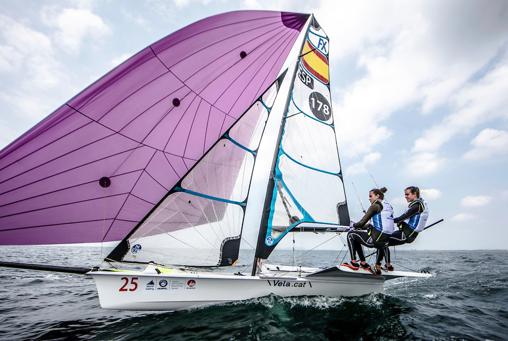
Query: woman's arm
(376,207)
(413,209)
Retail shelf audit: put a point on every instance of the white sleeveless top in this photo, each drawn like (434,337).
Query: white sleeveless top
(383,221)
(418,221)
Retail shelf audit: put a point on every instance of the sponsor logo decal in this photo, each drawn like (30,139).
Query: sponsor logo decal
(150,285)
(269,241)
(163,285)
(191,284)
(322,45)
(136,248)
(289,284)
(177,285)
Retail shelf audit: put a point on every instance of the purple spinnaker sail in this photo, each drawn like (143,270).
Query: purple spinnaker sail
(96,166)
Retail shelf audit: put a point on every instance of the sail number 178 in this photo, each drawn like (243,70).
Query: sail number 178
(320,106)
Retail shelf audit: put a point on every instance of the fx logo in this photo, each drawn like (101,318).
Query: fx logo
(323,45)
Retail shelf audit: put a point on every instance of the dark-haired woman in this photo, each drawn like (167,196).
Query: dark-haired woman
(373,235)
(410,223)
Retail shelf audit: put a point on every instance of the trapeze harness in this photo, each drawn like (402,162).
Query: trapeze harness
(410,223)
(376,235)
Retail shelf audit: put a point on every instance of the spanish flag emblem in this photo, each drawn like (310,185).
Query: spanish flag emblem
(315,62)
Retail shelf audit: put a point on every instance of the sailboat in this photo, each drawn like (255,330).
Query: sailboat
(219,131)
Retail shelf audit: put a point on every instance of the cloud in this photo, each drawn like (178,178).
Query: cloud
(404,56)
(74,25)
(362,166)
(27,51)
(30,73)
(424,164)
(431,193)
(31,64)
(461,217)
(489,142)
(475,201)
(474,104)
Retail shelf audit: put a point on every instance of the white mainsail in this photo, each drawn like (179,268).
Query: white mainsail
(307,187)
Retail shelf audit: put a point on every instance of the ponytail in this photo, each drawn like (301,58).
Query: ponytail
(380,192)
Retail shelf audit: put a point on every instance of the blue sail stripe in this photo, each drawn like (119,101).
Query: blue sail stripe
(319,35)
(314,46)
(307,166)
(264,104)
(206,196)
(239,145)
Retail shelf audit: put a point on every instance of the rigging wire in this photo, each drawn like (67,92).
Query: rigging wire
(358,197)
(373,180)
(310,250)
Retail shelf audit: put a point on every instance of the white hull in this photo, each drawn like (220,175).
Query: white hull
(137,290)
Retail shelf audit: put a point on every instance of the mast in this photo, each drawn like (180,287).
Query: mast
(271,181)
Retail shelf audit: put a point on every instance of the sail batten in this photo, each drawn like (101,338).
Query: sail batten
(162,109)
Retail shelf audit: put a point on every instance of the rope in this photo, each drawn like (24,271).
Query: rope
(310,250)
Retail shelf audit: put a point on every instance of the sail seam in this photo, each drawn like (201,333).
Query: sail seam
(307,166)
(269,71)
(66,188)
(192,125)
(154,179)
(92,98)
(199,93)
(206,127)
(282,39)
(169,163)
(50,143)
(127,197)
(152,106)
(67,170)
(61,205)
(222,55)
(277,17)
(56,224)
(179,121)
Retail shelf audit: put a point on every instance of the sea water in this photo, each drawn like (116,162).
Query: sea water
(467,298)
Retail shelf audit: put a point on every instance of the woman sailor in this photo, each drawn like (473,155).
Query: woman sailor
(375,234)
(410,223)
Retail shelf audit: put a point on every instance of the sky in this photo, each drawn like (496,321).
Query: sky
(419,89)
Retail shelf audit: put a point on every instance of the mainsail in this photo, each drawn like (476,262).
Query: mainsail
(95,168)
(306,189)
